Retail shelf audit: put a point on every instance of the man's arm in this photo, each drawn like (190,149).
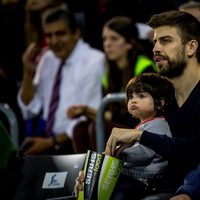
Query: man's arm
(191,186)
(37,145)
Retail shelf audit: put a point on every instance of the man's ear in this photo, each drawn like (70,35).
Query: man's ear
(77,34)
(191,47)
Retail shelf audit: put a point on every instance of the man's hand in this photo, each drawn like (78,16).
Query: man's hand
(29,68)
(28,59)
(121,139)
(76,111)
(181,197)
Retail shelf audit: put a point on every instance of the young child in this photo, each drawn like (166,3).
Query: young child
(149,97)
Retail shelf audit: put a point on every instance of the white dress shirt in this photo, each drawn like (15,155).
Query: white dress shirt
(81,84)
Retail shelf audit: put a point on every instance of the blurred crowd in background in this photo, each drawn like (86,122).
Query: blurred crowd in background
(16,32)
(92,14)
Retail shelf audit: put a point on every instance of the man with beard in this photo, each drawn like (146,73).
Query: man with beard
(177,56)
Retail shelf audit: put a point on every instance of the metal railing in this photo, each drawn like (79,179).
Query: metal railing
(100,126)
(13,123)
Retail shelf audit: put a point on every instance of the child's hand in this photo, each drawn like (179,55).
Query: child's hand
(79,183)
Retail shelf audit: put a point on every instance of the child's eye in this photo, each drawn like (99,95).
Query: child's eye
(141,96)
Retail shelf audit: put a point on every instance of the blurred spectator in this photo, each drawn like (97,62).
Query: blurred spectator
(89,17)
(125,59)
(192,7)
(95,13)
(81,74)
(35,10)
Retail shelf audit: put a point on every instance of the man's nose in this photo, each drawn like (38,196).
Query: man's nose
(156,47)
(54,39)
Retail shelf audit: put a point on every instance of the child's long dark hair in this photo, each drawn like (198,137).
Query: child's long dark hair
(160,88)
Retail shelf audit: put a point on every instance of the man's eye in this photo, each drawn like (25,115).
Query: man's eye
(60,33)
(48,35)
(165,41)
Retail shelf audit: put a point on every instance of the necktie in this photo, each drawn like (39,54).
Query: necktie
(54,100)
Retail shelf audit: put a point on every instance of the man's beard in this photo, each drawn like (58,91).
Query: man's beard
(175,67)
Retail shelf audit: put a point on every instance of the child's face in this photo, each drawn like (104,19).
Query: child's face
(141,106)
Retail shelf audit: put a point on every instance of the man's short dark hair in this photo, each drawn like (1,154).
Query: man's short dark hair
(62,15)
